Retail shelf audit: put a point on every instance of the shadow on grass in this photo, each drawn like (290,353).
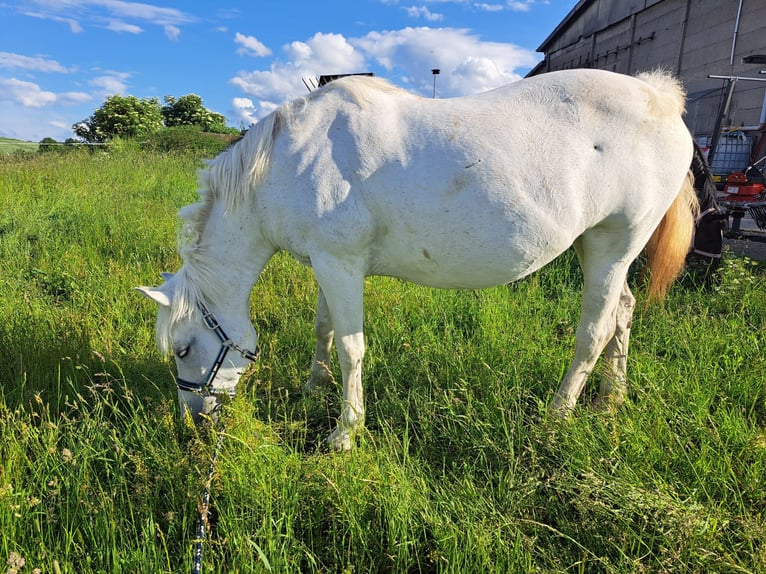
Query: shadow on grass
(54,360)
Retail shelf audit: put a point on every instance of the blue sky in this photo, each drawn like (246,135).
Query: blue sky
(61,59)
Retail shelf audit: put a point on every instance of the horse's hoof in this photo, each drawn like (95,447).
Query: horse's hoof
(340,441)
(320,377)
(560,409)
(608,404)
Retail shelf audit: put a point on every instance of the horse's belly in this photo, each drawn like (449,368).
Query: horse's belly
(465,258)
(427,272)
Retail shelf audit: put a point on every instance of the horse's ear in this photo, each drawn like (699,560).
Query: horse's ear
(156,294)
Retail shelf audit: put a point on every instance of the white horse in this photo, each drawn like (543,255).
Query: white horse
(362,178)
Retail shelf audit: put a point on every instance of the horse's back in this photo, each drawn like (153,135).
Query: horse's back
(482,189)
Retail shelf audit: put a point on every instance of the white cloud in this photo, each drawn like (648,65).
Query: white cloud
(158,15)
(111,83)
(31,95)
(250,46)
(115,15)
(520,6)
(423,11)
(68,98)
(468,64)
(74,26)
(229,13)
(121,26)
(35,63)
(481,74)
(244,111)
(327,53)
(27,94)
(512,5)
(59,125)
(321,54)
(172,32)
(489,7)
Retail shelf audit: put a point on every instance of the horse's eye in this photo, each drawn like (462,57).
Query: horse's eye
(182,352)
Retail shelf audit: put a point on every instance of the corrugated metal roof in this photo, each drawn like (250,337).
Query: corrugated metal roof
(573,13)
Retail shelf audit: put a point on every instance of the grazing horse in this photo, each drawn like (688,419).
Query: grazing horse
(362,178)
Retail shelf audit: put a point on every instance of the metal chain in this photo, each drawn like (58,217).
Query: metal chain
(205,507)
(226,345)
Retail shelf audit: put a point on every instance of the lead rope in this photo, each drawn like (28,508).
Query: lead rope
(205,389)
(205,507)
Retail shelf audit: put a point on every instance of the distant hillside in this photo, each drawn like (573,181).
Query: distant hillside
(10,145)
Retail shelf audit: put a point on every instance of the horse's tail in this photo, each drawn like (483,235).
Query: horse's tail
(667,248)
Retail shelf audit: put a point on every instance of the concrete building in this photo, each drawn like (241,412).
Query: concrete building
(695,39)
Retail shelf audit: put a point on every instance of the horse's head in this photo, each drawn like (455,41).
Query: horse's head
(210,346)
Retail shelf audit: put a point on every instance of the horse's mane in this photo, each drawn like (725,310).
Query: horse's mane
(232,175)
(186,294)
(229,178)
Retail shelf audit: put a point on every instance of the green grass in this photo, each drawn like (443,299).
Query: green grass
(459,470)
(10,145)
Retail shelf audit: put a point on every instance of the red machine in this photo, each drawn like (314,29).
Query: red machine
(743,184)
(744,195)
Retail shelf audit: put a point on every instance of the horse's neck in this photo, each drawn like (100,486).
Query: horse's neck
(235,253)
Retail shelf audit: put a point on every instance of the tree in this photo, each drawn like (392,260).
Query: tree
(47,145)
(189,111)
(121,116)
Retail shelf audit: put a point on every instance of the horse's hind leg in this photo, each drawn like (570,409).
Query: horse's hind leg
(323,329)
(614,386)
(604,273)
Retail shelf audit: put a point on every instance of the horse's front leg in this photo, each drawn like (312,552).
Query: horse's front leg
(320,367)
(342,287)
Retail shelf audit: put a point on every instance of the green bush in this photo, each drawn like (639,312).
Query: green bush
(121,116)
(48,145)
(190,139)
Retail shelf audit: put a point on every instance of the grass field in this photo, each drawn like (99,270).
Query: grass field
(10,145)
(459,470)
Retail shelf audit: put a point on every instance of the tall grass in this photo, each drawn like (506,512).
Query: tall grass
(459,470)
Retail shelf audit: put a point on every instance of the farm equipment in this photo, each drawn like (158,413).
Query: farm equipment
(744,193)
